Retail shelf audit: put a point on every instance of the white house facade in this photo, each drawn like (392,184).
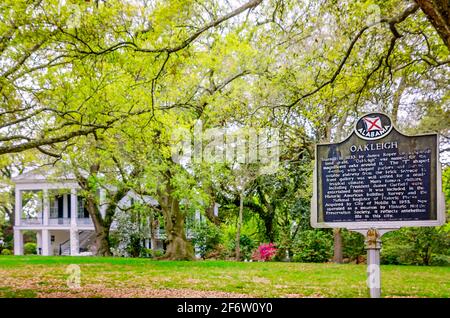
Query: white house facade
(52,209)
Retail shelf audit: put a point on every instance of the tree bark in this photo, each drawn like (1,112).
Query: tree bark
(102,241)
(101,229)
(267,215)
(154,228)
(209,211)
(239,225)
(338,255)
(438,13)
(178,247)
(337,237)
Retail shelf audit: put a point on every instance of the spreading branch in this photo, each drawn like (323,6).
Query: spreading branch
(391,22)
(438,13)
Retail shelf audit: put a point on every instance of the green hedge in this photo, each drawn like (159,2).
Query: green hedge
(6,252)
(29,248)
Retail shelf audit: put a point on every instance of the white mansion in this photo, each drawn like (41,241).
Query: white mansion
(53,210)
(50,207)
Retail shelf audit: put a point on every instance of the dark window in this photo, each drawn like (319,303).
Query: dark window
(69,205)
(60,206)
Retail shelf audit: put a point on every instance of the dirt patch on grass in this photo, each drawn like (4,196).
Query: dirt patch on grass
(103,292)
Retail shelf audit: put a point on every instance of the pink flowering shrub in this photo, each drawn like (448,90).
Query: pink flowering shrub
(264,252)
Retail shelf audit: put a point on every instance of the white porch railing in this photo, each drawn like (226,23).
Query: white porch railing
(55,221)
(59,221)
(30,221)
(84,221)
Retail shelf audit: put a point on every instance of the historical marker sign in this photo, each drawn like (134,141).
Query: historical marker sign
(378,178)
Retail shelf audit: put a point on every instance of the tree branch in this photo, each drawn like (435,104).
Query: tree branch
(128,44)
(392,22)
(438,13)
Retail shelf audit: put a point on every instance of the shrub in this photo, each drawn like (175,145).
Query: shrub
(206,238)
(29,248)
(149,253)
(416,246)
(219,252)
(389,256)
(353,245)
(264,252)
(146,253)
(157,254)
(440,260)
(313,246)
(6,252)
(246,245)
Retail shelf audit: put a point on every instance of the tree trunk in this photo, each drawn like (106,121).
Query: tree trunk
(338,255)
(337,236)
(101,229)
(178,247)
(154,229)
(102,242)
(209,211)
(238,231)
(426,257)
(11,217)
(268,224)
(267,215)
(438,13)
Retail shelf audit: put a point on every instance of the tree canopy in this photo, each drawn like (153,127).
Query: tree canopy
(116,80)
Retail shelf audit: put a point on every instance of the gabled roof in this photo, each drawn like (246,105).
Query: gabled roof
(45,174)
(138,197)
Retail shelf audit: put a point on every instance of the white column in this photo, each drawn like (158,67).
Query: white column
(18,207)
(73,207)
(39,242)
(46,209)
(102,202)
(18,242)
(65,206)
(74,241)
(74,235)
(46,243)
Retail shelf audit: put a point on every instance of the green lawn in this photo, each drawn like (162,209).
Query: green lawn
(38,276)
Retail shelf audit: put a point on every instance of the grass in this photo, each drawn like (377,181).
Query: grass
(39,276)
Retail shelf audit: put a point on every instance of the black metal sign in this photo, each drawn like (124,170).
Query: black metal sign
(378,177)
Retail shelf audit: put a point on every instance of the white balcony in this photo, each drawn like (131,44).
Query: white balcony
(55,222)
(31,221)
(85,221)
(59,221)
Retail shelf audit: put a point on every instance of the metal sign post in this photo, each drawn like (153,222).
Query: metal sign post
(375,181)
(373,247)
